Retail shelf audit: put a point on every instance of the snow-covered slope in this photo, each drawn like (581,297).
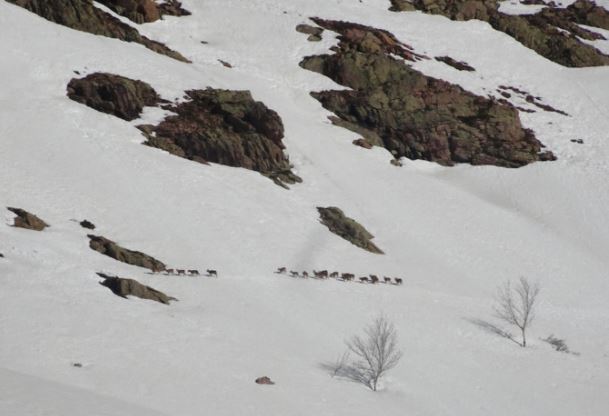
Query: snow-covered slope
(453,234)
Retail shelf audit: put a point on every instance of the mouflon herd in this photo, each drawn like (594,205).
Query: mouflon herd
(345,277)
(186,272)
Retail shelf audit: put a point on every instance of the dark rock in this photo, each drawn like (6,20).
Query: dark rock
(219,126)
(1,255)
(135,258)
(347,228)
(459,65)
(224,63)
(128,287)
(552,33)
(413,115)
(87,224)
(143,11)
(112,94)
(27,220)
(264,380)
(84,16)
(226,127)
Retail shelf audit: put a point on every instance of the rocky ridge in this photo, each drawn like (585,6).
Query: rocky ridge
(413,115)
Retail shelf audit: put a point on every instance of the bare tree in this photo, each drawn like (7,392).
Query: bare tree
(376,350)
(516,305)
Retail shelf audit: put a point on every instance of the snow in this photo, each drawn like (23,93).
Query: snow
(453,234)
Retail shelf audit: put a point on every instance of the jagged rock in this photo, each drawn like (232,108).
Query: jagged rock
(458,65)
(135,258)
(87,224)
(27,220)
(264,380)
(128,287)
(552,32)
(143,11)
(219,126)
(347,228)
(413,115)
(113,94)
(229,128)
(84,16)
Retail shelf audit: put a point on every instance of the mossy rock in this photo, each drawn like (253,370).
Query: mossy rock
(135,258)
(27,220)
(347,228)
(129,287)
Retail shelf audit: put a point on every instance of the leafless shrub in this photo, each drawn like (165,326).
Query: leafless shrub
(376,352)
(516,305)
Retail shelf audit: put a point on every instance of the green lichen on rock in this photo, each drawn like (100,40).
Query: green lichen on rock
(413,115)
(113,94)
(347,228)
(82,15)
(135,258)
(129,287)
(553,32)
(27,220)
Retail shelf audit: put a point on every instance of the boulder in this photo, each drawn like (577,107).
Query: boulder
(413,115)
(129,287)
(458,65)
(136,258)
(112,94)
(347,228)
(27,220)
(87,224)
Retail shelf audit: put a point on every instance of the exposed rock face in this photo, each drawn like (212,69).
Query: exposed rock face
(135,258)
(27,220)
(84,16)
(226,127)
(413,115)
(129,287)
(347,228)
(552,33)
(113,94)
(458,65)
(219,126)
(144,11)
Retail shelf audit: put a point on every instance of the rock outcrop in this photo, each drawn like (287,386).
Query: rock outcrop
(112,94)
(27,220)
(135,258)
(226,127)
(347,228)
(145,11)
(128,287)
(314,32)
(84,16)
(413,115)
(553,32)
(211,125)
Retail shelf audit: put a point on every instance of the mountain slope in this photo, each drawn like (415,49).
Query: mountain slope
(452,233)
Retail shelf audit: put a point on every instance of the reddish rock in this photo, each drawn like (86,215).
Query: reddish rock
(27,220)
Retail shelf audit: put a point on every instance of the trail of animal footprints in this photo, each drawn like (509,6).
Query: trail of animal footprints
(344,277)
(185,272)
